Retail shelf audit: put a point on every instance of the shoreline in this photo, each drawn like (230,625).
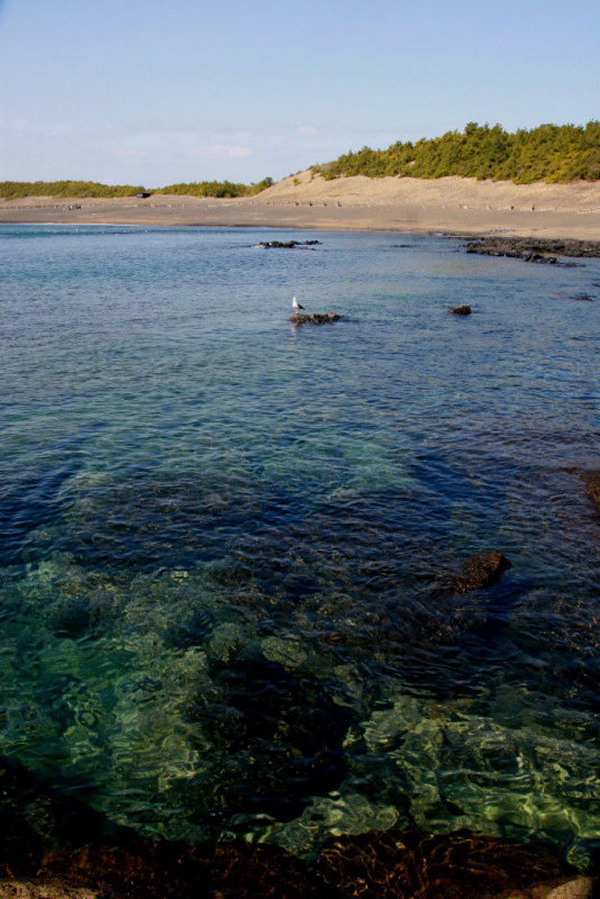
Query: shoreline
(446,205)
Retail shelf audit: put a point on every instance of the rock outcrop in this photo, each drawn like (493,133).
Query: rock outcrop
(533,249)
(316,318)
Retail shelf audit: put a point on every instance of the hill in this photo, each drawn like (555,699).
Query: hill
(551,153)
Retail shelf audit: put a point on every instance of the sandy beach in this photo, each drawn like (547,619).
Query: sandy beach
(399,204)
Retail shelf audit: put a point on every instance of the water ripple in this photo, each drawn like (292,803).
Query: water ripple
(229,548)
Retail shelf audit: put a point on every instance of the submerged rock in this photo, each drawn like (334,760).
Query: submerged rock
(316,318)
(35,501)
(403,865)
(158,519)
(276,736)
(465,309)
(287,244)
(481,571)
(56,847)
(592,482)
(580,888)
(47,889)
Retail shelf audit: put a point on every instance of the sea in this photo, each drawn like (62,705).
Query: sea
(231,544)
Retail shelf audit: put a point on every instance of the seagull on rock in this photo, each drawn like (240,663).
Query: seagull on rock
(296,305)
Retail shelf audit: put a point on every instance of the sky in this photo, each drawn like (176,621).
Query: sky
(157,92)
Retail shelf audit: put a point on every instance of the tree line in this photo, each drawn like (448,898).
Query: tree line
(547,153)
(14,190)
(216,188)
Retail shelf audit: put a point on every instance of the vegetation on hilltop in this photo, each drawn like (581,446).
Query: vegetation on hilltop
(216,189)
(548,153)
(13,190)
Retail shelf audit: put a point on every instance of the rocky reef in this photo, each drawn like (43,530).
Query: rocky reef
(534,249)
(287,244)
(55,847)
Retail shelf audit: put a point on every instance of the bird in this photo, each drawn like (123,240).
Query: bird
(296,305)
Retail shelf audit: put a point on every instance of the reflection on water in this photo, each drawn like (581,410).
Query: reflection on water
(228,549)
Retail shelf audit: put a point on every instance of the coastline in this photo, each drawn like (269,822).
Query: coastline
(446,205)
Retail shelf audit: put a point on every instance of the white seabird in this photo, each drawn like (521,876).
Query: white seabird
(296,305)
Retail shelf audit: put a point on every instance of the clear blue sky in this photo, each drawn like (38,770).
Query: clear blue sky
(159,91)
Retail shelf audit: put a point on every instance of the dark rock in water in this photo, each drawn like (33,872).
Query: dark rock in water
(146,870)
(277,737)
(36,501)
(59,846)
(35,818)
(539,257)
(82,615)
(592,482)
(316,318)
(482,571)
(465,309)
(287,244)
(404,865)
(148,522)
(193,631)
(533,249)
(391,865)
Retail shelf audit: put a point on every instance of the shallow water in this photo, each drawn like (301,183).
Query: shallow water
(225,541)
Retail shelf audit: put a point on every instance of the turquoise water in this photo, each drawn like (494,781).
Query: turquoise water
(225,541)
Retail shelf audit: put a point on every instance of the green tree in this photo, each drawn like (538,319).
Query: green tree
(545,153)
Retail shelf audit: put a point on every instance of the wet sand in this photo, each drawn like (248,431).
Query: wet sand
(455,205)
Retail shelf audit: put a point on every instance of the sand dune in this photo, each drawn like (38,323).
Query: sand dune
(451,204)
